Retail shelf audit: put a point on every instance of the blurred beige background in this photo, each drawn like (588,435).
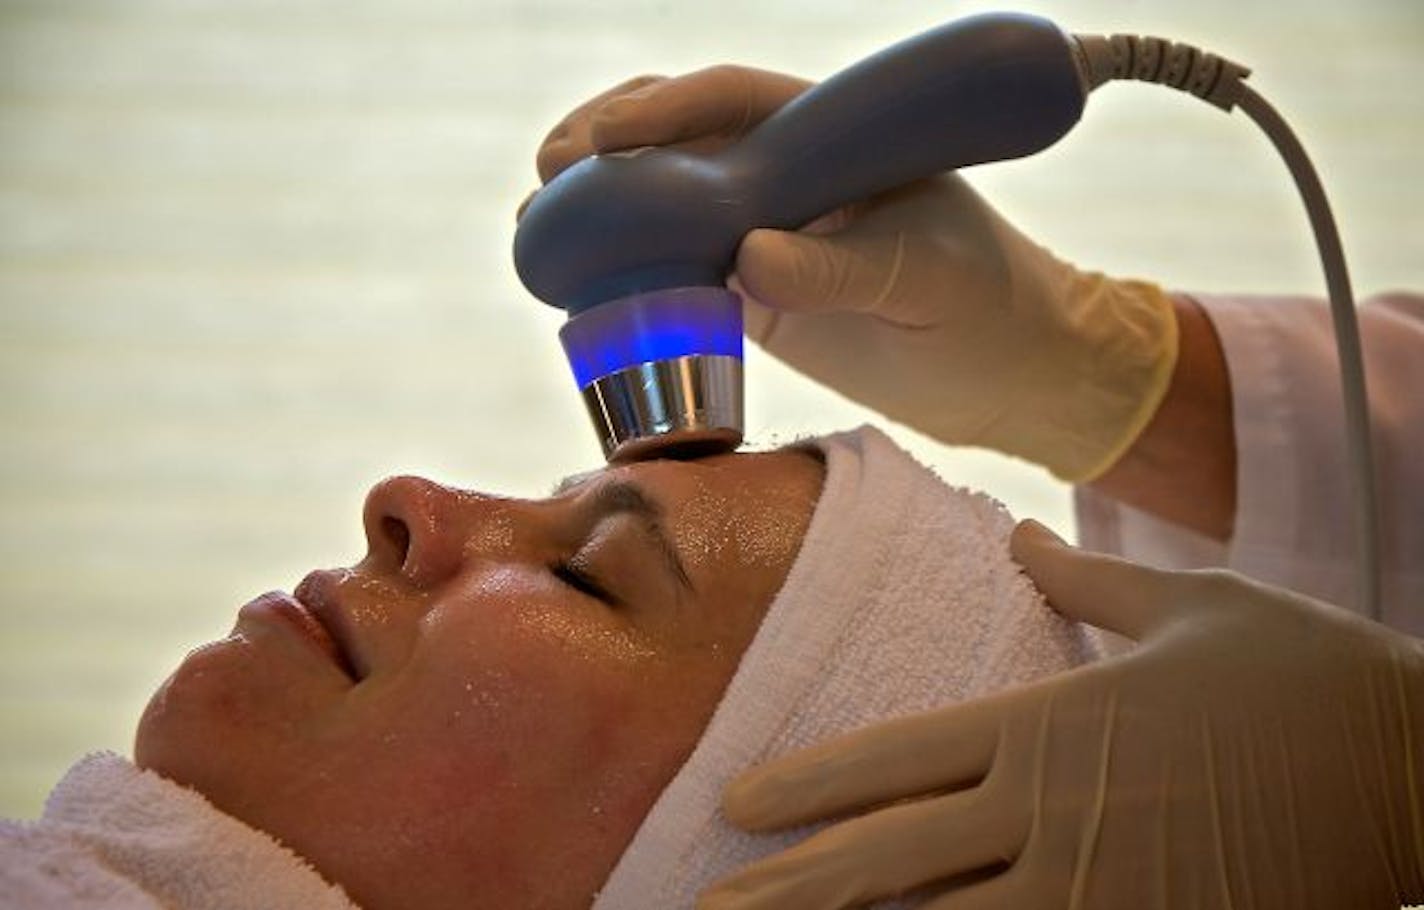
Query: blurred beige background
(254,256)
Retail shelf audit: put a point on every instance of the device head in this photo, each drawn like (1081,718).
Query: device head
(634,247)
(660,371)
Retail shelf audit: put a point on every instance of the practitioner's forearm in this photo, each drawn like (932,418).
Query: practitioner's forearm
(1183,466)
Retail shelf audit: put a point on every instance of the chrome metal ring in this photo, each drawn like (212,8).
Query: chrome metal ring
(695,400)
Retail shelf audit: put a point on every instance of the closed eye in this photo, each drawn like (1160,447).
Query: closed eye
(582,582)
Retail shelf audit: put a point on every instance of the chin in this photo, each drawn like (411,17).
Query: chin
(174,725)
(199,719)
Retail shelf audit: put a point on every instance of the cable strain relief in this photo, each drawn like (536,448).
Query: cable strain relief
(1143,58)
(1094,58)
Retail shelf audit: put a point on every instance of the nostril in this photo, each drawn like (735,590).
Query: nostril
(414,528)
(398,535)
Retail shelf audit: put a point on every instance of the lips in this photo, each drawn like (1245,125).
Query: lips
(317,596)
(282,609)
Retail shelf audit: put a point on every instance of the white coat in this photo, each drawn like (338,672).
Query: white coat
(1293,510)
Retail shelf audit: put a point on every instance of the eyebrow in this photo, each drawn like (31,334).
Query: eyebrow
(623,497)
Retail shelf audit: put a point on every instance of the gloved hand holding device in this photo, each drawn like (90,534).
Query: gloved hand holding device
(1257,748)
(922,303)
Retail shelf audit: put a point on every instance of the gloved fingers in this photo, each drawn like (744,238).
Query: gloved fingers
(1100,590)
(950,748)
(847,271)
(888,256)
(786,270)
(720,103)
(570,139)
(887,852)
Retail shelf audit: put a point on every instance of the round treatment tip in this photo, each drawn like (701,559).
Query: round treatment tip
(661,371)
(679,405)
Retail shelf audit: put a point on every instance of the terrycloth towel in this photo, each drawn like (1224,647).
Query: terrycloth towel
(118,838)
(903,598)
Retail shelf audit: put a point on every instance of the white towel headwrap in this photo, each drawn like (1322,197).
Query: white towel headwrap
(118,838)
(902,598)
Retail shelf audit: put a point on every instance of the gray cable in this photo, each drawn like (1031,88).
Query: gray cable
(1347,342)
(1221,82)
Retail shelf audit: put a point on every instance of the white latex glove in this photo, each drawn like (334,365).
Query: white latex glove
(922,303)
(1256,749)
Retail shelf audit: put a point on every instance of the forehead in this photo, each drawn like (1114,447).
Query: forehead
(743,511)
(783,471)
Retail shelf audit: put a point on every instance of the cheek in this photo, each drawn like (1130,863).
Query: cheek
(554,699)
(523,689)
(530,730)
(495,689)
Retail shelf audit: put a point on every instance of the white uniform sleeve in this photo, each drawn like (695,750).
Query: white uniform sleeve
(1293,509)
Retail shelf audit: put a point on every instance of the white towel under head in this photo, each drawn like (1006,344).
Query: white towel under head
(118,838)
(902,598)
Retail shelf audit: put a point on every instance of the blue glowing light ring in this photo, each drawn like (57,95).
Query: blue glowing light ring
(657,325)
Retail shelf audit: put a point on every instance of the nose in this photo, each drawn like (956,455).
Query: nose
(418,528)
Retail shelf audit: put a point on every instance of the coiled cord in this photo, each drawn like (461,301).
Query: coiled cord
(1221,82)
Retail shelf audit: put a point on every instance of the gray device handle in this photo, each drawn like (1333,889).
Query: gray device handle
(983,88)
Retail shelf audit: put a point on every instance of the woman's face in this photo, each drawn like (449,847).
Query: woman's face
(481,712)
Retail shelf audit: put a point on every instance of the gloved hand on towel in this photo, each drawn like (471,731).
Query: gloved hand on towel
(1256,748)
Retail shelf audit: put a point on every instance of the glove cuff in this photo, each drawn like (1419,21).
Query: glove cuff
(1116,354)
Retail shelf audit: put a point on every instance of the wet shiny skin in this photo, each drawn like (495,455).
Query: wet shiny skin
(505,732)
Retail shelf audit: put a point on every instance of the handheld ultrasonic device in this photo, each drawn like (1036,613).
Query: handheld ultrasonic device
(636,246)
